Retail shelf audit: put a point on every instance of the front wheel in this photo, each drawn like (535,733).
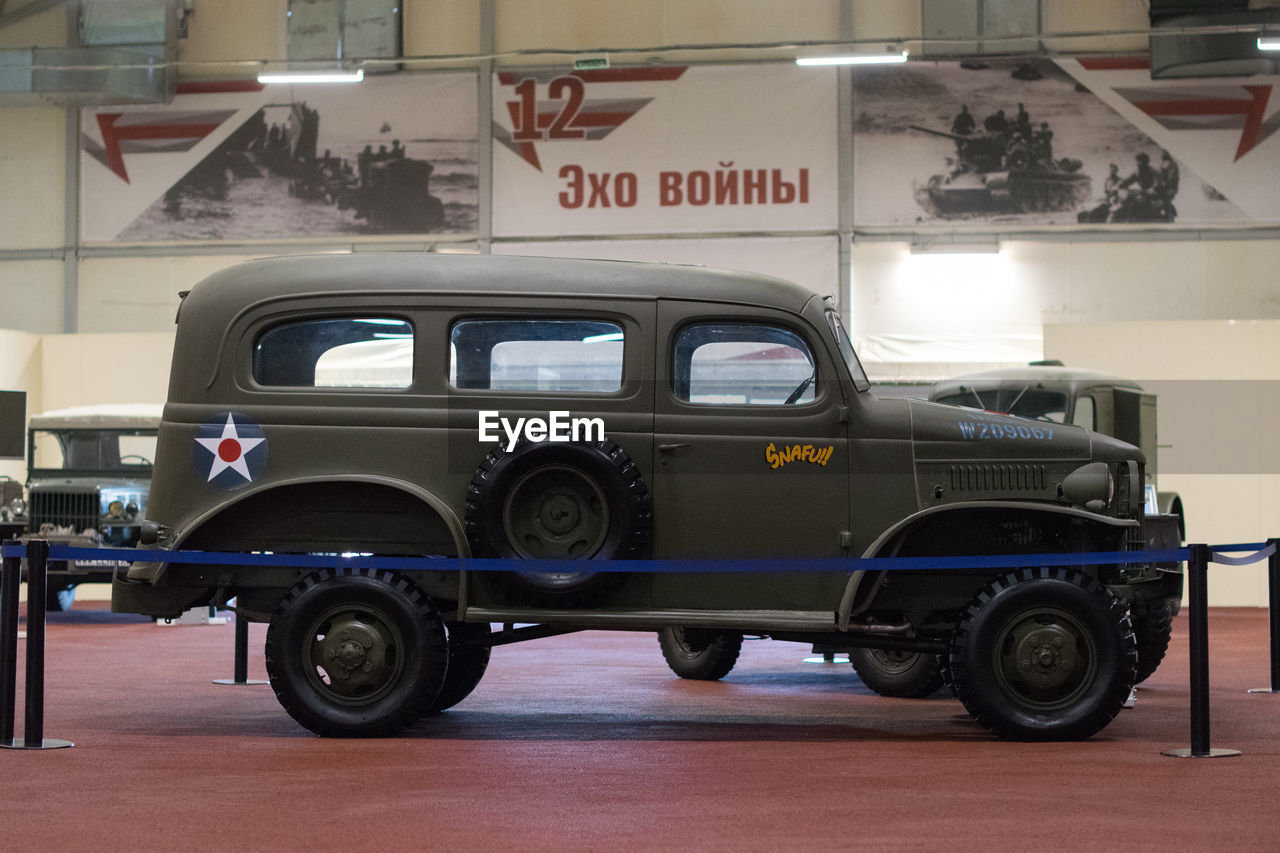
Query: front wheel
(356,655)
(907,675)
(700,653)
(1043,654)
(1153,632)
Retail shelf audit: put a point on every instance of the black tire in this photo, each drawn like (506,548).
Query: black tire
(905,675)
(1043,654)
(562,501)
(468,659)
(356,653)
(59,599)
(702,654)
(1153,632)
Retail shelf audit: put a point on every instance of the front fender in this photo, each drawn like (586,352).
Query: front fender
(881,546)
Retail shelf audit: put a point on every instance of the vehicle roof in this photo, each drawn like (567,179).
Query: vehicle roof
(1070,380)
(229,290)
(103,416)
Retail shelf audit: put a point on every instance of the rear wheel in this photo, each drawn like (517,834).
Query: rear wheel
(700,653)
(1043,654)
(908,675)
(354,654)
(468,659)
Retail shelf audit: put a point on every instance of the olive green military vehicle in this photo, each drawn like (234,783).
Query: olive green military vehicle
(88,473)
(587,413)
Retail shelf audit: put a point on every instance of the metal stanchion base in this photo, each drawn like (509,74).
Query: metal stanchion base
(47,743)
(232,681)
(1186,752)
(1261,690)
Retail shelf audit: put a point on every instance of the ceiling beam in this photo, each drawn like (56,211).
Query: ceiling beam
(23,12)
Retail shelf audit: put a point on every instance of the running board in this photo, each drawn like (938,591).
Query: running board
(748,621)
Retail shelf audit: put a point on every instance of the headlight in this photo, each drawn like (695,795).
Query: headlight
(17,507)
(1091,486)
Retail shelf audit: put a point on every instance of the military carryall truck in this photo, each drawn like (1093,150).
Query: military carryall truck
(580,411)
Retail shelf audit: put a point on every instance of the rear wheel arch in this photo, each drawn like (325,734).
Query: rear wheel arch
(316,515)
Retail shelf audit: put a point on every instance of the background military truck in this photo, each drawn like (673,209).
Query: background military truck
(88,477)
(738,434)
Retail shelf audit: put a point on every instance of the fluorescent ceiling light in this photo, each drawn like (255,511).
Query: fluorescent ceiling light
(311,76)
(1268,42)
(957,245)
(854,58)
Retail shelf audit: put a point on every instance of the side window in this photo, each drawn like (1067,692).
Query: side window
(536,355)
(336,352)
(741,364)
(1084,413)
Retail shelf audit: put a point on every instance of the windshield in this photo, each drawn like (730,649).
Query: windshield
(1025,402)
(117,451)
(845,345)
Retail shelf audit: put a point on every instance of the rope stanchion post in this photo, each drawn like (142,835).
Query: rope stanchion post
(1198,630)
(37,584)
(1273,606)
(241,663)
(9,581)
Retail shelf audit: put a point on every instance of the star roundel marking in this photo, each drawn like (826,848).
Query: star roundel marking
(229,451)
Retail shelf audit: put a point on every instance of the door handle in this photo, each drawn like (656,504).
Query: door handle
(670,448)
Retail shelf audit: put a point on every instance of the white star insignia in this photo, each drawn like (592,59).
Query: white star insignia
(229,450)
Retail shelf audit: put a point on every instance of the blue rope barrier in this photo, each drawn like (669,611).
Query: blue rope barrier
(1266,550)
(822,564)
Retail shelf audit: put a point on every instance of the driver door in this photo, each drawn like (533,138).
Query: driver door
(750,441)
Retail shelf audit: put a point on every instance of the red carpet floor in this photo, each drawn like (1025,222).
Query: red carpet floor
(587,742)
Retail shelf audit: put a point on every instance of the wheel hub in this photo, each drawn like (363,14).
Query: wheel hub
(559,513)
(1047,656)
(350,651)
(353,655)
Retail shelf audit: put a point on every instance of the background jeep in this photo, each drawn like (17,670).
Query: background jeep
(336,405)
(88,477)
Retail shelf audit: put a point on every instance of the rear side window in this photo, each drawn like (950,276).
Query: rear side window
(541,354)
(336,352)
(741,364)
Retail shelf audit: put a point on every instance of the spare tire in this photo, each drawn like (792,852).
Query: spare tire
(560,501)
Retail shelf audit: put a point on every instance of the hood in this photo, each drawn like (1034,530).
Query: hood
(956,434)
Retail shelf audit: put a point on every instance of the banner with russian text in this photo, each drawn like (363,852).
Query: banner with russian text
(664,150)
(241,161)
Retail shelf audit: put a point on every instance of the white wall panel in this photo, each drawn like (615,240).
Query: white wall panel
(31,177)
(140,294)
(31,295)
(85,370)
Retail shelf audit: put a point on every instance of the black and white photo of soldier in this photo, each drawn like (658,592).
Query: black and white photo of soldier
(999,142)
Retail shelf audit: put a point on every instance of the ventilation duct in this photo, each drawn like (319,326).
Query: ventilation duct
(977,27)
(126,57)
(1216,41)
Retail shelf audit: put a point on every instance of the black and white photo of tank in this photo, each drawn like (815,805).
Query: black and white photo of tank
(999,141)
(327,161)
